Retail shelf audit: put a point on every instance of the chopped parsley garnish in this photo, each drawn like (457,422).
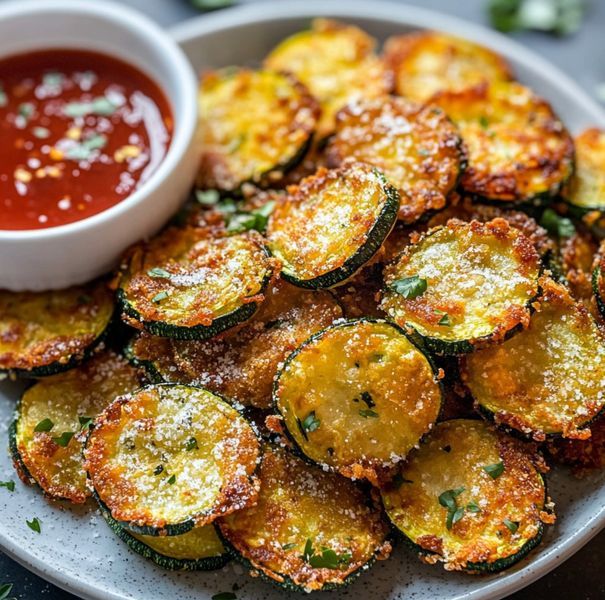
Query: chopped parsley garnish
(255,219)
(289,546)
(26,110)
(158,273)
(52,78)
(367,398)
(34,524)
(310,423)
(63,439)
(44,425)
(84,150)
(444,320)
(191,444)
(224,596)
(495,470)
(556,225)
(41,132)
(5,590)
(512,526)
(399,480)
(473,507)
(409,287)
(101,106)
(367,413)
(158,469)
(159,297)
(328,559)
(9,485)
(85,422)
(483,122)
(448,499)
(207,197)
(171,480)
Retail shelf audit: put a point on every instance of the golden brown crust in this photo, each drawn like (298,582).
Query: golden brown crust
(416,146)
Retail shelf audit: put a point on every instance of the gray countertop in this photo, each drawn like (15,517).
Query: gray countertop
(581,56)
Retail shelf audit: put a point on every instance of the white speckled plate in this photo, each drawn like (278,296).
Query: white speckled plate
(77,551)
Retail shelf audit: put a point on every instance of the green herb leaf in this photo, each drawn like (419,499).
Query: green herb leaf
(41,132)
(399,480)
(308,550)
(171,480)
(34,524)
(311,422)
(207,197)
(224,596)
(445,321)
(26,110)
(289,546)
(159,273)
(64,439)
(159,297)
(85,422)
(556,225)
(456,516)
(9,485)
(207,5)
(409,287)
(44,425)
(158,469)
(367,413)
(367,398)
(101,106)
(512,526)
(495,470)
(5,590)
(84,150)
(256,219)
(52,78)
(484,122)
(328,559)
(191,444)
(448,500)
(473,507)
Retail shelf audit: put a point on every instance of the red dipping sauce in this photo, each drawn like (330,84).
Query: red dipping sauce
(79,132)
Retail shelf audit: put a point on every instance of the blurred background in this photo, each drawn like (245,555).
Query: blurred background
(570,34)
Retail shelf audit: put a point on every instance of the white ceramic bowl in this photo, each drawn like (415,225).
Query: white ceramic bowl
(60,256)
(78,552)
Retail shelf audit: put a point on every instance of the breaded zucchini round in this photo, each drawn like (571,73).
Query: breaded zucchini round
(357,397)
(241,364)
(191,283)
(463,284)
(310,530)
(52,422)
(598,281)
(332,224)
(427,63)
(254,125)
(470,498)
(43,333)
(518,149)
(169,458)
(549,378)
(415,146)
(336,62)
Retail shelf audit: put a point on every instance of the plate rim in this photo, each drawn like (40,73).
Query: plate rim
(415,17)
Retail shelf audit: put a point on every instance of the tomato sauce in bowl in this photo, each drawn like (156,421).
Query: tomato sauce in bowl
(79,131)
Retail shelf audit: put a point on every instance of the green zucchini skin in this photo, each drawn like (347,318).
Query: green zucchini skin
(152,373)
(210,563)
(376,236)
(596,274)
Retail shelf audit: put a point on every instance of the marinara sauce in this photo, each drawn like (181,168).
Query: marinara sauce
(79,132)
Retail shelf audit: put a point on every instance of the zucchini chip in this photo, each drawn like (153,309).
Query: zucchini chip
(357,397)
(52,420)
(463,284)
(336,62)
(598,282)
(197,550)
(416,146)
(43,333)
(470,498)
(519,151)
(241,364)
(255,125)
(169,458)
(190,284)
(426,63)
(549,378)
(310,530)
(332,224)
(586,190)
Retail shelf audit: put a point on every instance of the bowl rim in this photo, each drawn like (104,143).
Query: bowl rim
(183,99)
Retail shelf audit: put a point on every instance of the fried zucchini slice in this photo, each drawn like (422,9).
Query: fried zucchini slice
(197,550)
(241,364)
(357,397)
(254,126)
(548,379)
(169,458)
(52,421)
(598,281)
(310,530)
(332,224)
(416,146)
(518,149)
(192,284)
(336,62)
(427,63)
(463,284)
(586,190)
(470,498)
(43,333)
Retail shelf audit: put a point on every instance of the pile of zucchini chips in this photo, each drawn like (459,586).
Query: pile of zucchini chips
(377,319)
